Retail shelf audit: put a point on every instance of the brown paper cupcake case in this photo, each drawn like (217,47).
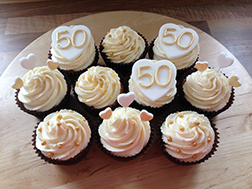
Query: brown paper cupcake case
(175,160)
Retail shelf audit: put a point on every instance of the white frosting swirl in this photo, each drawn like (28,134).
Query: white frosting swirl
(98,87)
(208,90)
(79,63)
(181,62)
(143,100)
(63,135)
(188,136)
(124,134)
(43,89)
(123,45)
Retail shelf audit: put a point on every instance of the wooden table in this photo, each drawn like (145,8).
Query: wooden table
(230,167)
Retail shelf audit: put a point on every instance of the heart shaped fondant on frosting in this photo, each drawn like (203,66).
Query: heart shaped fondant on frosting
(70,42)
(126,99)
(146,116)
(28,62)
(176,41)
(201,66)
(224,60)
(154,78)
(234,81)
(106,114)
(18,83)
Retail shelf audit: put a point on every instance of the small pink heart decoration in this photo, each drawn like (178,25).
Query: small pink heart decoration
(146,116)
(126,99)
(234,81)
(201,66)
(28,62)
(52,65)
(106,114)
(224,60)
(18,83)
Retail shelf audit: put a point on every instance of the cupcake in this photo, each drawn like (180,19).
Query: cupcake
(122,47)
(74,48)
(98,88)
(124,133)
(188,137)
(42,91)
(154,84)
(62,137)
(207,90)
(177,44)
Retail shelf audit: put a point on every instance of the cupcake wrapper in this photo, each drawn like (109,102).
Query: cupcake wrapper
(74,159)
(73,75)
(180,72)
(125,69)
(119,158)
(179,162)
(187,105)
(39,114)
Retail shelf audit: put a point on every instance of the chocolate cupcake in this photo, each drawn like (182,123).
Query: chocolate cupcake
(74,49)
(122,47)
(177,44)
(124,133)
(98,88)
(206,90)
(188,138)
(62,137)
(43,91)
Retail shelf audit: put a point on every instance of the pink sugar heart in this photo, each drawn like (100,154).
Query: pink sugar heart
(146,116)
(126,99)
(28,62)
(106,114)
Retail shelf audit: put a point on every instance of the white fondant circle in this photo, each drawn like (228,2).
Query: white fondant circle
(155,91)
(71,52)
(174,51)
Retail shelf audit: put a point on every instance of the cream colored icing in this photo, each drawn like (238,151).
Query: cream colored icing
(142,99)
(188,136)
(82,61)
(42,89)
(208,90)
(123,45)
(98,87)
(124,134)
(62,135)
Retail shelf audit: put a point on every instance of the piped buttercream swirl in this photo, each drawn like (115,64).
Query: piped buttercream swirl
(208,90)
(98,87)
(187,136)
(43,89)
(124,134)
(63,135)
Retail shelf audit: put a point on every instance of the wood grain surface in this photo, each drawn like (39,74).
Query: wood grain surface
(230,166)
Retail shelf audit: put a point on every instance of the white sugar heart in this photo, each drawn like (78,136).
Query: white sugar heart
(28,62)
(126,99)
(70,42)
(146,116)
(224,60)
(106,114)
(177,41)
(154,78)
